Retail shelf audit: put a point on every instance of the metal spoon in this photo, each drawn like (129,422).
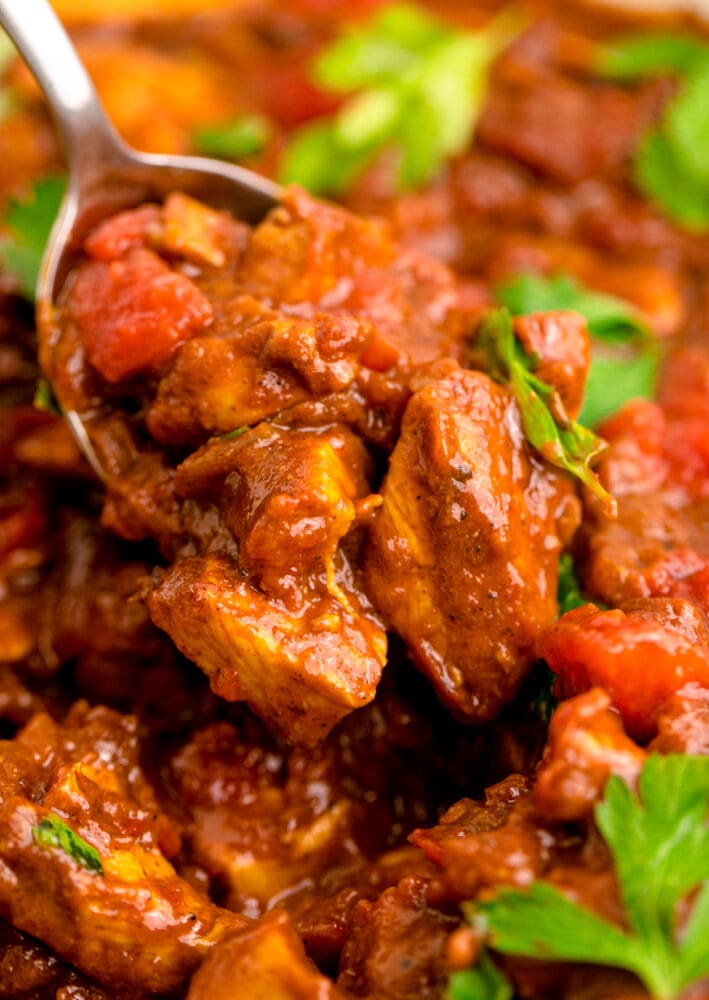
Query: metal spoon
(106,175)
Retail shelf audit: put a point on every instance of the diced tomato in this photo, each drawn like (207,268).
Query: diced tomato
(134,313)
(114,237)
(639,663)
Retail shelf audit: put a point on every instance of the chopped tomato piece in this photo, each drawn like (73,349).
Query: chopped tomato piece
(134,313)
(123,232)
(639,663)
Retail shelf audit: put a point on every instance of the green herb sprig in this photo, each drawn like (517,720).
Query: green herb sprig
(54,832)
(411,82)
(659,840)
(483,982)
(563,442)
(670,163)
(624,356)
(234,140)
(30,221)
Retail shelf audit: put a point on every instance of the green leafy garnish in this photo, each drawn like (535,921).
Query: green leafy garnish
(30,221)
(609,318)
(44,398)
(412,83)
(637,56)
(670,162)
(659,840)
(618,374)
(53,832)
(624,358)
(568,591)
(234,140)
(236,433)
(563,442)
(483,982)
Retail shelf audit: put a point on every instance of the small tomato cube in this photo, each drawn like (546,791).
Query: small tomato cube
(134,313)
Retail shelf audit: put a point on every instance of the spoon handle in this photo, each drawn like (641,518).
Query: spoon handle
(41,40)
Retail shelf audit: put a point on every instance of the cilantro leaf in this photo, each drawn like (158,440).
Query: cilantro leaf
(53,832)
(411,81)
(659,840)
(636,56)
(234,140)
(30,221)
(483,982)
(563,442)
(624,359)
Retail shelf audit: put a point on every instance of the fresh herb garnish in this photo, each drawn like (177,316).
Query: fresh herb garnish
(563,442)
(568,588)
(234,140)
(53,832)
(609,318)
(670,163)
(411,81)
(483,982)
(30,221)
(624,357)
(44,398)
(659,841)
(236,433)
(637,56)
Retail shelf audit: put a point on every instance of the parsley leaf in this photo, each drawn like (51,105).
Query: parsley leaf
(483,982)
(30,221)
(636,56)
(563,442)
(609,318)
(659,840)
(411,82)
(234,140)
(624,358)
(669,163)
(53,832)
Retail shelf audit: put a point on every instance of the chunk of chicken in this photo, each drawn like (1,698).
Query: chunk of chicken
(462,559)
(283,626)
(103,894)
(256,827)
(265,961)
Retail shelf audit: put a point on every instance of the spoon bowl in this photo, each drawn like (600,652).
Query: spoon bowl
(105,174)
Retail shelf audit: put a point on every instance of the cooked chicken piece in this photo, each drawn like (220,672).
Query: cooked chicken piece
(83,863)
(281,626)
(462,559)
(321,303)
(256,826)
(265,961)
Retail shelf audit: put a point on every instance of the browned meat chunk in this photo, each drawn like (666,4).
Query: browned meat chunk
(321,302)
(397,946)
(284,627)
(254,828)
(460,566)
(110,902)
(265,961)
